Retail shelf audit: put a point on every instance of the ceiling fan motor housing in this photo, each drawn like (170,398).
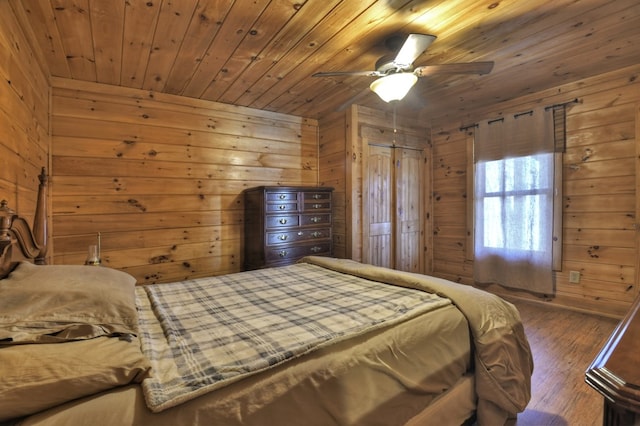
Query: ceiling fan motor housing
(386,64)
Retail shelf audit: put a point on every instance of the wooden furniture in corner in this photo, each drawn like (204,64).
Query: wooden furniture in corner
(615,374)
(284,224)
(17,241)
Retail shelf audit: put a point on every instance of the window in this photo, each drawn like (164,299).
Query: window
(512,197)
(515,184)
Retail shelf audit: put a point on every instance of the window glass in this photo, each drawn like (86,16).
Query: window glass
(515,196)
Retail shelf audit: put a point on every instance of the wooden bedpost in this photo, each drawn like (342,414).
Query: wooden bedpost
(40,229)
(18,240)
(6,218)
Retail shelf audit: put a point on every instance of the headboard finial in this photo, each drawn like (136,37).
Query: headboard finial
(43,176)
(40,231)
(6,217)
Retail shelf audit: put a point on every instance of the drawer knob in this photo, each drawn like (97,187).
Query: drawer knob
(316,249)
(282,207)
(317,206)
(316,196)
(316,219)
(283,253)
(316,234)
(283,221)
(300,233)
(282,196)
(282,237)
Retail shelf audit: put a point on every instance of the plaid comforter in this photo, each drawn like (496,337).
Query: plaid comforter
(202,334)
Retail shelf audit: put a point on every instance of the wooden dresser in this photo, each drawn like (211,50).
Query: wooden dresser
(284,224)
(615,372)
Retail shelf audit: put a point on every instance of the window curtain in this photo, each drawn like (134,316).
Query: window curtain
(514,201)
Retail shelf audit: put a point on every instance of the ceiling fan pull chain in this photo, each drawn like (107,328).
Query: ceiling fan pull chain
(395,130)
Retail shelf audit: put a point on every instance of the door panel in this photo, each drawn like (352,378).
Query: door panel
(378,207)
(409,176)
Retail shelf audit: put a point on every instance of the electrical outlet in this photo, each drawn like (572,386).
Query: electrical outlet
(574,277)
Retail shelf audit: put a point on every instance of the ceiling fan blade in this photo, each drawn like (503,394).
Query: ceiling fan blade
(461,68)
(413,47)
(347,73)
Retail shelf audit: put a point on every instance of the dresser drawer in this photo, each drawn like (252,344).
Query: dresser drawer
(310,197)
(297,251)
(282,196)
(316,201)
(282,207)
(297,235)
(316,205)
(315,219)
(282,221)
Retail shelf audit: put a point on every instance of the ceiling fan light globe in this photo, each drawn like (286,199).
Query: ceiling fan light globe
(393,87)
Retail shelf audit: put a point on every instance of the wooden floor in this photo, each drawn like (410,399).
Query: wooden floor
(563,343)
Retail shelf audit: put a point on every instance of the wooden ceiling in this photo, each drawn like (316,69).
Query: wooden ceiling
(262,53)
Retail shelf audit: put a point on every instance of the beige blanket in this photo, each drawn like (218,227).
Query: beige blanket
(503,358)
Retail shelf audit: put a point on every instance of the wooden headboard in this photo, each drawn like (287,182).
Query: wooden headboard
(19,241)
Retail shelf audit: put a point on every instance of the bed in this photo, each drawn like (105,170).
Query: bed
(324,341)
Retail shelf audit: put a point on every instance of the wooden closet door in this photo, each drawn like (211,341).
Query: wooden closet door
(392,227)
(409,176)
(378,205)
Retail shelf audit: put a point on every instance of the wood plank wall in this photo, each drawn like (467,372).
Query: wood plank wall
(600,184)
(24,112)
(161,177)
(332,154)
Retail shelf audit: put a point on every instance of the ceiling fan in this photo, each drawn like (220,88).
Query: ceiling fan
(396,73)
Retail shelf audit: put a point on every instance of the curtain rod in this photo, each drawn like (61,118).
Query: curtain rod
(574,101)
(463,128)
(523,113)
